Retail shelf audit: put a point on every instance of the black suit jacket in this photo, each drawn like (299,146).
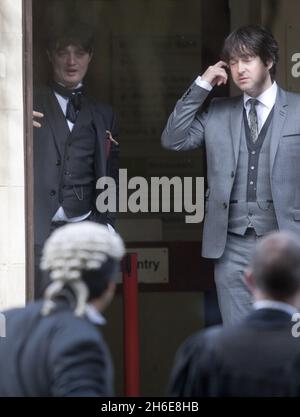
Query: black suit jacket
(58,355)
(258,357)
(49,151)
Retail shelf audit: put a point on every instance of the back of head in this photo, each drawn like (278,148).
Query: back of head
(83,256)
(276,265)
(252,40)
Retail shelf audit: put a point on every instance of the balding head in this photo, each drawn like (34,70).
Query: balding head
(276,266)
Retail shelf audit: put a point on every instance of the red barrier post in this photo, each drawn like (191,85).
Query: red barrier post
(131,331)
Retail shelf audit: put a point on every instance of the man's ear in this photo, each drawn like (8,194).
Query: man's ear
(49,55)
(91,55)
(270,64)
(112,287)
(108,294)
(250,280)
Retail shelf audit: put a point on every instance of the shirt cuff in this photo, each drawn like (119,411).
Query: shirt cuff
(203,84)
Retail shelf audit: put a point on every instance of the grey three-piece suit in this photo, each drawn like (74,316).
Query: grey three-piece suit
(252,188)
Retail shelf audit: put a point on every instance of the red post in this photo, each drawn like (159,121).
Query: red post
(131,331)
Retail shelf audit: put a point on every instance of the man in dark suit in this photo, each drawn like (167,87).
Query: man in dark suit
(260,356)
(252,145)
(76,143)
(54,347)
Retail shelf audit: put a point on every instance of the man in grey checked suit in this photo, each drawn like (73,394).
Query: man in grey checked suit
(253,151)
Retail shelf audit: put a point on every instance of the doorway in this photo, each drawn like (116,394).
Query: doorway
(147,53)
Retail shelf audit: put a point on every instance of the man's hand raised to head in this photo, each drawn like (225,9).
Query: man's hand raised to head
(216,74)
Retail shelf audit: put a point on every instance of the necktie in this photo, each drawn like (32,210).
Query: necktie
(253,124)
(74,102)
(73,107)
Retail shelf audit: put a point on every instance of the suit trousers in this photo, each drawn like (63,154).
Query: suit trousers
(234,297)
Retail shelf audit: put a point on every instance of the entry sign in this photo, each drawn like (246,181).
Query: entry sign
(153,265)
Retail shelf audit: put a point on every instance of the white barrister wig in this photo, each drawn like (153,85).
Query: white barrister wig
(72,249)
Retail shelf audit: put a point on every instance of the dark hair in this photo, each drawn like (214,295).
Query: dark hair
(276,265)
(72,33)
(97,280)
(252,40)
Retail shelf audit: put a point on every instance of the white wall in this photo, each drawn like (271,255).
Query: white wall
(12,222)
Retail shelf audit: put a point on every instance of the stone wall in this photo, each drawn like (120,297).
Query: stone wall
(12,221)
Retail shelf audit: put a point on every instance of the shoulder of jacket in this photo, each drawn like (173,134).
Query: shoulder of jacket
(100,106)
(226,101)
(293,96)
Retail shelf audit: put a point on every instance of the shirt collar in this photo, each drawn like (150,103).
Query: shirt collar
(65,98)
(93,315)
(77,86)
(267,98)
(275,305)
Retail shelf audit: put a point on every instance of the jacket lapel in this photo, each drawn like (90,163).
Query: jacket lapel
(57,121)
(236,117)
(99,125)
(280,112)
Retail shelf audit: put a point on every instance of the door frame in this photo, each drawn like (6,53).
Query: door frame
(28,148)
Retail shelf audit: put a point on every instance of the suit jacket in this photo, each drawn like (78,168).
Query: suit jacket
(57,355)
(258,357)
(48,154)
(219,130)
